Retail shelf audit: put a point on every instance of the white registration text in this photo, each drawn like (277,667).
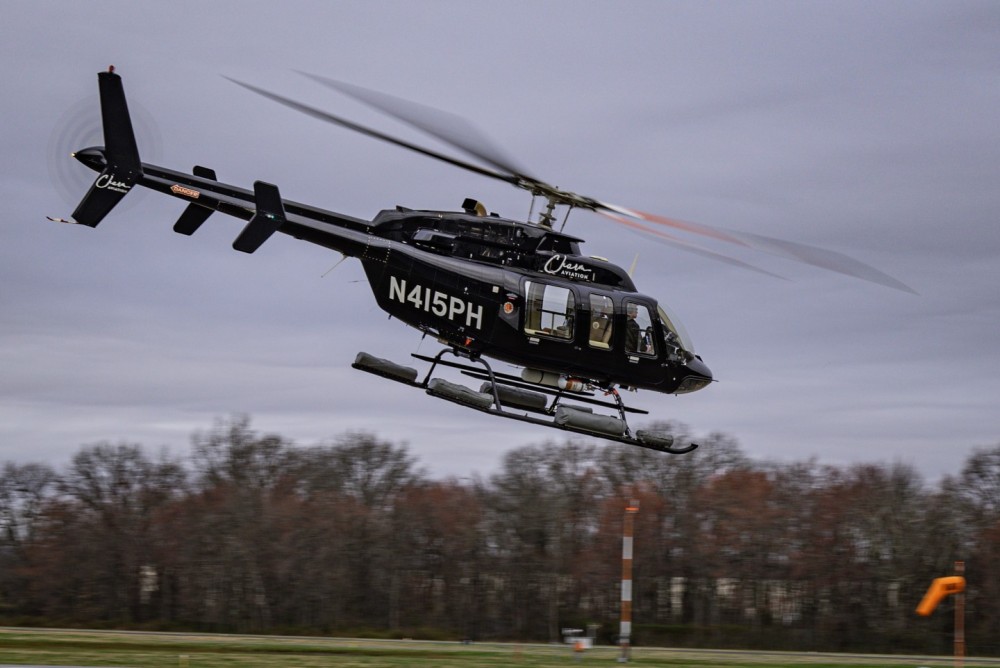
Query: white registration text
(439,303)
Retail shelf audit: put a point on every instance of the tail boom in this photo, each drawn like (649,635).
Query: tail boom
(120,169)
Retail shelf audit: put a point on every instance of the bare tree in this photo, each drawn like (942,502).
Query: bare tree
(113,492)
(353,534)
(977,492)
(24,491)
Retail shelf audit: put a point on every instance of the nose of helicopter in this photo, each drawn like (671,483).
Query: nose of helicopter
(696,366)
(698,376)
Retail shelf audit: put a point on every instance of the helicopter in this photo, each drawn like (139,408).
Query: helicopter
(484,286)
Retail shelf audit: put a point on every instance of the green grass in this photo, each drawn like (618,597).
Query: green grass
(176,650)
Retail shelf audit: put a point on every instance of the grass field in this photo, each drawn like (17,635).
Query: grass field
(51,647)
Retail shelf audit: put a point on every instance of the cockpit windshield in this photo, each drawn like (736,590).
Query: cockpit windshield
(676,327)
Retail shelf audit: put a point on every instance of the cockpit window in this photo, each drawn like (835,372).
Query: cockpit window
(674,326)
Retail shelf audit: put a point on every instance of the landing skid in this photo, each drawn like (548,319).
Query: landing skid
(507,396)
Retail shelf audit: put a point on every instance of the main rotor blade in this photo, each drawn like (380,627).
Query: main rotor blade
(449,128)
(461,135)
(696,228)
(343,122)
(812,255)
(826,259)
(671,240)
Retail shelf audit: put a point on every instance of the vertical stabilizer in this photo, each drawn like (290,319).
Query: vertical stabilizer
(122,168)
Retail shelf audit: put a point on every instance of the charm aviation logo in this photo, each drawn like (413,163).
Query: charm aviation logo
(558,265)
(107,182)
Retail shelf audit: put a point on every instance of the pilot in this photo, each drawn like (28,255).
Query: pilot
(632,329)
(637,340)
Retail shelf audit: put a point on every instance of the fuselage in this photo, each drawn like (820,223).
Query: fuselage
(509,290)
(524,294)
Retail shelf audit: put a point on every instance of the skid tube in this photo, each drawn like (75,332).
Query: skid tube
(464,396)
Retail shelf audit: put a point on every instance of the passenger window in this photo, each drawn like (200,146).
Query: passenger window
(639,330)
(549,310)
(601,310)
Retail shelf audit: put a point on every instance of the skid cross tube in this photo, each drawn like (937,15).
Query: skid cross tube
(475,359)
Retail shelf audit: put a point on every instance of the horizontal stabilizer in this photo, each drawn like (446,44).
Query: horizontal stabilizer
(194,215)
(269,218)
(204,172)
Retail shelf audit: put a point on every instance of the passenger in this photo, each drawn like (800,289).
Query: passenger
(600,326)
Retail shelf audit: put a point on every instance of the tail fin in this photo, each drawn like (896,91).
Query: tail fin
(122,168)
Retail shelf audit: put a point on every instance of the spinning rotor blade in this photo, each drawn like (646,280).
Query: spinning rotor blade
(449,128)
(825,259)
(812,255)
(80,126)
(343,122)
(459,134)
(671,240)
(696,228)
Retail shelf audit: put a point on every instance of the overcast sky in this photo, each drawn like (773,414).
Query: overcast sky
(868,128)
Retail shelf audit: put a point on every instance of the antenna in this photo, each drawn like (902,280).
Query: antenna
(565,218)
(342,258)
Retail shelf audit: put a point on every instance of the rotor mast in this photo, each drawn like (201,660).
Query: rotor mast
(547,216)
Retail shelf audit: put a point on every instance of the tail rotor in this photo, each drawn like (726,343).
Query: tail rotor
(118,161)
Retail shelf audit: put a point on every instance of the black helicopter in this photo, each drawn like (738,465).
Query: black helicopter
(484,286)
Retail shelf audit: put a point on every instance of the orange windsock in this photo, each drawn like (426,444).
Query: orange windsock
(940,588)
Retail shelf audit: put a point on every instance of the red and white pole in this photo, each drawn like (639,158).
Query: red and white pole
(960,619)
(625,630)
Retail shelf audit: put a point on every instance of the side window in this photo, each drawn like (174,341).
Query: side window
(639,330)
(549,310)
(601,310)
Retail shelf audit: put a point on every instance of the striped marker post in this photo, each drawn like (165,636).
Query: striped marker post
(960,619)
(625,631)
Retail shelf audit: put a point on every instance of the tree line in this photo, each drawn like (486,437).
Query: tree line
(253,533)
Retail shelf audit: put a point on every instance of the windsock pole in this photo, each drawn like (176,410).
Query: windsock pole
(941,587)
(960,617)
(625,630)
